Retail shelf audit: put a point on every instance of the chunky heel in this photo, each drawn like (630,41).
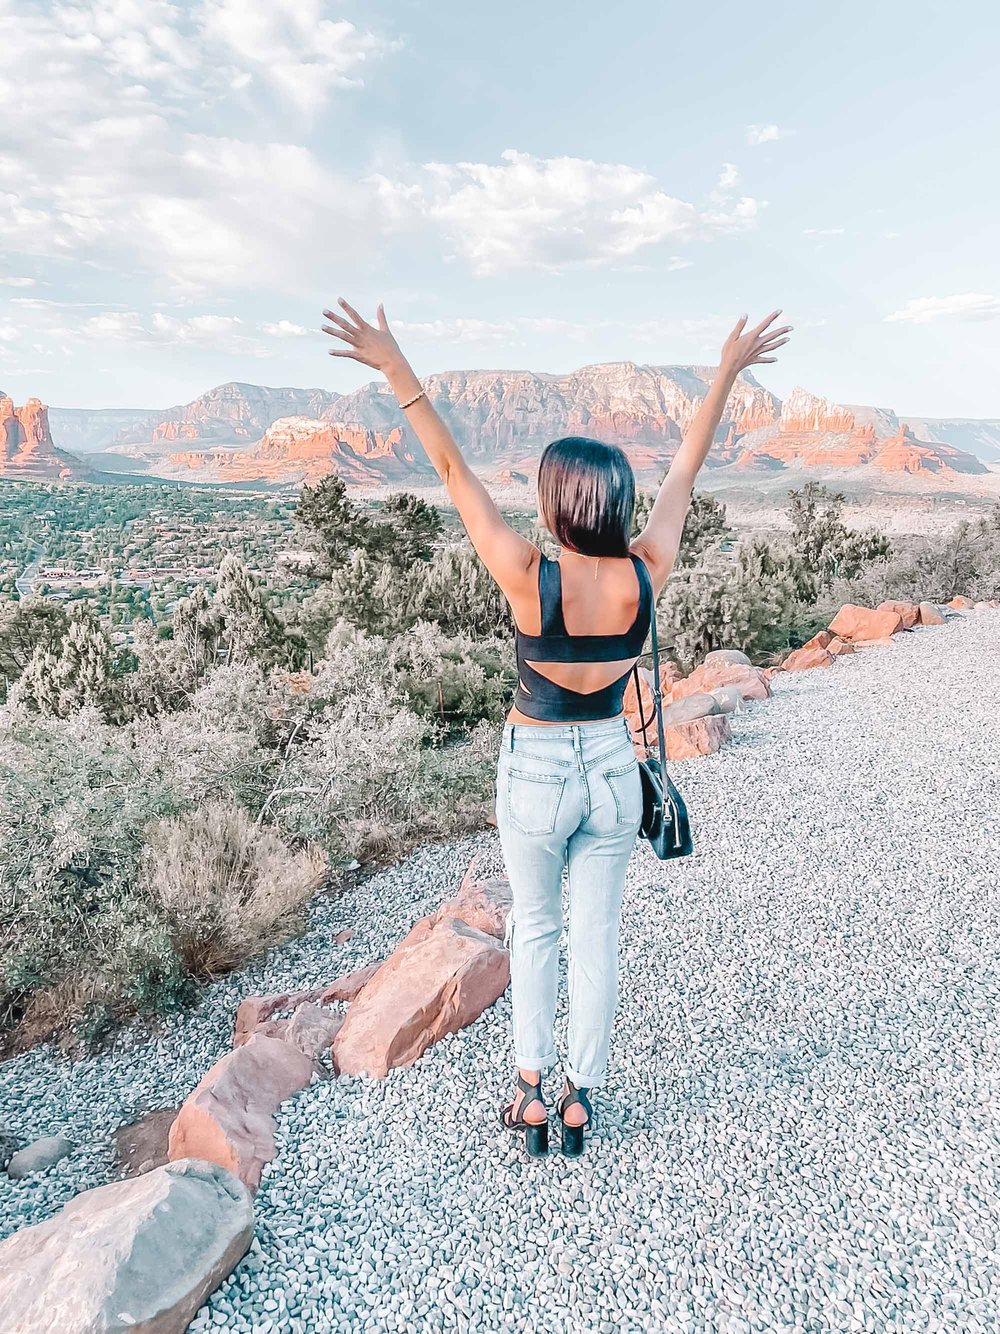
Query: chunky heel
(573,1137)
(536,1139)
(572,1140)
(536,1133)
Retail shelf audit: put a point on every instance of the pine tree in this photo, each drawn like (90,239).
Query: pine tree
(251,631)
(79,673)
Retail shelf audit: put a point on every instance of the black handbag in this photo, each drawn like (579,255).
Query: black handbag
(665,823)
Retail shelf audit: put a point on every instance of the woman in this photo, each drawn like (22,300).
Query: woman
(568,789)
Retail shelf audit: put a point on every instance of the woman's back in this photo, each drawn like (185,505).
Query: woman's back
(577,642)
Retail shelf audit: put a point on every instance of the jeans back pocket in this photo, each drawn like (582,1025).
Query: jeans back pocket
(533,800)
(626,788)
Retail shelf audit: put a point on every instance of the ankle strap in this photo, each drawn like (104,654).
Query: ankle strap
(534,1089)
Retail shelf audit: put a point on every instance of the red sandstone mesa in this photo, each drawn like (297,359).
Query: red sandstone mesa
(859,624)
(229,1118)
(440,977)
(26,447)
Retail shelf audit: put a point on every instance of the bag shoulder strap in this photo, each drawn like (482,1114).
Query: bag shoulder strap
(657,692)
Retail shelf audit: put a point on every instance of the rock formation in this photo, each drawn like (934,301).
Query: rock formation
(304,449)
(27,450)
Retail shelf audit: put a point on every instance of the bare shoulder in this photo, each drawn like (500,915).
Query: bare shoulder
(519,586)
(655,562)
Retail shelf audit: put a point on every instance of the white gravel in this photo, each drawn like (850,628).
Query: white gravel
(800,1131)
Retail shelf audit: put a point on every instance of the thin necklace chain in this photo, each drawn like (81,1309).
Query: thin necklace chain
(596,567)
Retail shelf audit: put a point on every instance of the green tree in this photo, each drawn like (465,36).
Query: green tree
(25,626)
(81,671)
(333,525)
(407,530)
(827,548)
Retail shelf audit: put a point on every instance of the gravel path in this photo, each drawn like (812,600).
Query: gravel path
(800,1131)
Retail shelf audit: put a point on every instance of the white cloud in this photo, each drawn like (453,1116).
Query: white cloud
(210,332)
(823,231)
(728,177)
(547,213)
(143,176)
(966,306)
(765,134)
(9,280)
(7,333)
(292,46)
(708,332)
(283,329)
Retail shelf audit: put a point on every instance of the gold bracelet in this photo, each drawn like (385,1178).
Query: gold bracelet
(410,401)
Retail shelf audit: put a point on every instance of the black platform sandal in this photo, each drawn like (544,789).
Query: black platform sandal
(573,1136)
(536,1134)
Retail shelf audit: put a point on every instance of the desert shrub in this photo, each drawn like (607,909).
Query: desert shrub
(81,671)
(748,599)
(72,822)
(453,589)
(963,560)
(224,744)
(361,775)
(25,626)
(825,547)
(454,679)
(225,886)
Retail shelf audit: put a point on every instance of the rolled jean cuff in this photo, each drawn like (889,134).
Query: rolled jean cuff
(584,1081)
(542,1064)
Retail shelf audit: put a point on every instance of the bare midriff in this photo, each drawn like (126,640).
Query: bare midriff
(516,716)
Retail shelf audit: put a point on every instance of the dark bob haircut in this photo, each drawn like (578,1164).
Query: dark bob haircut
(586,496)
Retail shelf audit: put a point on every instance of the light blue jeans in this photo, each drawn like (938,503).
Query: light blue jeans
(567,796)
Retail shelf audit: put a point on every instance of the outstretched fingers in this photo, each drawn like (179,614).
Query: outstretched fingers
(765,322)
(362,324)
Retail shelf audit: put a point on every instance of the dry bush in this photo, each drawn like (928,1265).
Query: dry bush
(226,886)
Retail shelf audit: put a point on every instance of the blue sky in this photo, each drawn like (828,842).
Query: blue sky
(184,186)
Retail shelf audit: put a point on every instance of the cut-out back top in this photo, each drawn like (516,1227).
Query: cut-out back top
(537,696)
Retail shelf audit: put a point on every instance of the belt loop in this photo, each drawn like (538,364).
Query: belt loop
(510,738)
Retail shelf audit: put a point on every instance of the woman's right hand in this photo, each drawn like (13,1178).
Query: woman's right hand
(373,347)
(741,350)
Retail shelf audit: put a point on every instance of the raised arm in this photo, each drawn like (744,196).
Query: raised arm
(506,554)
(660,540)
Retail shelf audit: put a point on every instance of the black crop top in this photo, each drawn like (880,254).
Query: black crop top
(537,696)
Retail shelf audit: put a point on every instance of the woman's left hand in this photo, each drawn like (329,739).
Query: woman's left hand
(741,350)
(374,347)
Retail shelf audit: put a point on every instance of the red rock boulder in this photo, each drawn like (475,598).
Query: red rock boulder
(808,656)
(702,736)
(960,603)
(229,1118)
(439,978)
(908,612)
(819,640)
(861,623)
(751,682)
(255,1013)
(929,614)
(838,647)
(482,902)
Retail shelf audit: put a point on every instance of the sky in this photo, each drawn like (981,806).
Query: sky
(184,187)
